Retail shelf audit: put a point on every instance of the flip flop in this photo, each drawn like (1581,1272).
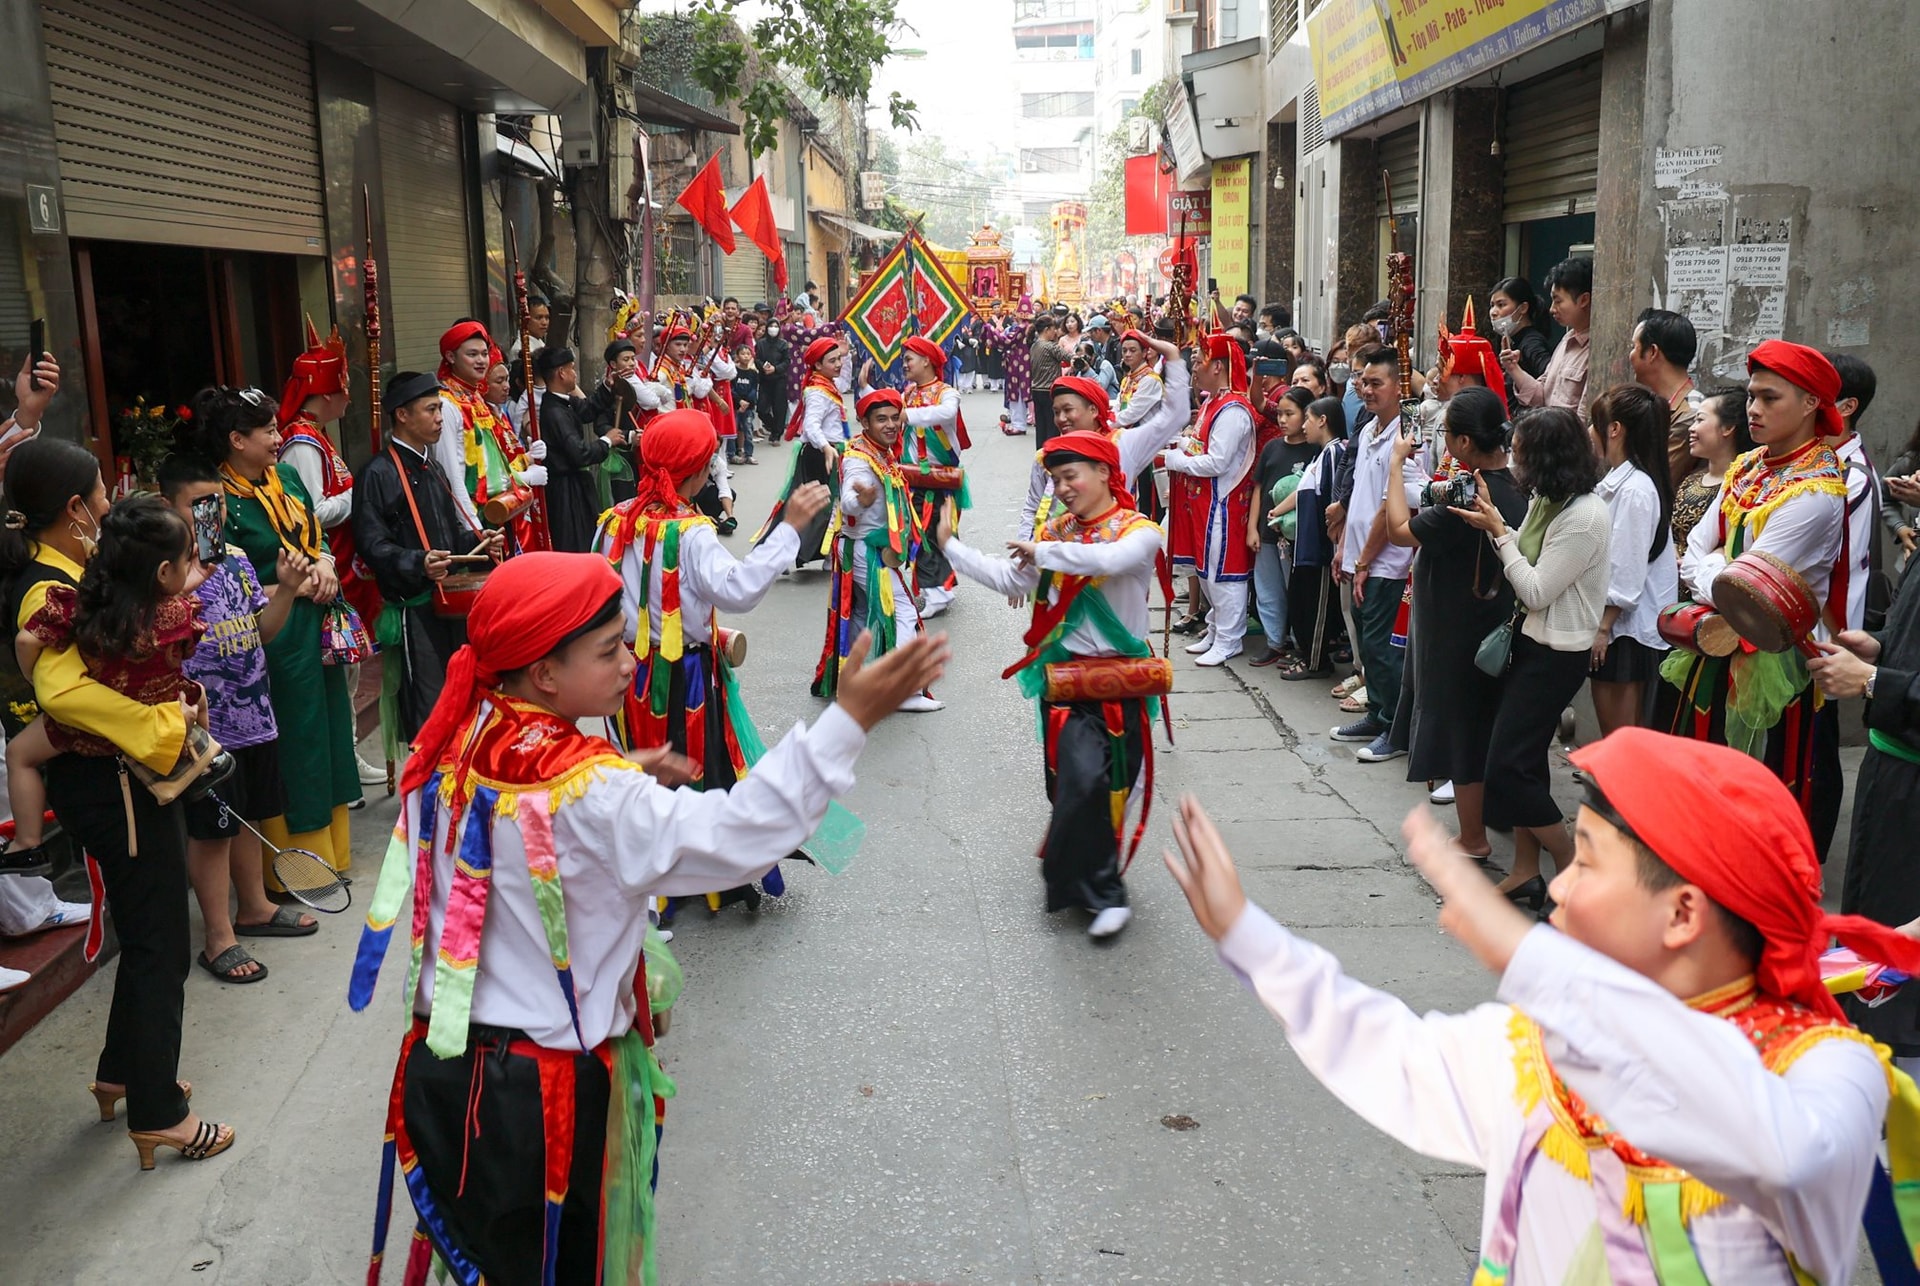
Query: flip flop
(223,965)
(284,924)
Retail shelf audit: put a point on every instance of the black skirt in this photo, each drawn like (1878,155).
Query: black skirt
(1538,686)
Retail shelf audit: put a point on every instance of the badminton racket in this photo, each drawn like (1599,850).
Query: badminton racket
(306,876)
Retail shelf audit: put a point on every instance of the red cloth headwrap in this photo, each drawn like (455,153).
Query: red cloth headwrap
(929,350)
(1804,368)
(878,397)
(1222,347)
(819,348)
(1094,446)
(528,605)
(677,445)
(456,336)
(1140,338)
(1471,353)
(1093,391)
(321,371)
(1726,823)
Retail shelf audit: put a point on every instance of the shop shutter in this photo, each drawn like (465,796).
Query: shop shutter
(16,305)
(745,275)
(1399,155)
(1552,144)
(428,263)
(187,122)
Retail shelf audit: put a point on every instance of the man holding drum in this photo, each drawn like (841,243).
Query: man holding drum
(1775,547)
(930,453)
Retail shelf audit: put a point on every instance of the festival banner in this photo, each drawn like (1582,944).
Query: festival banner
(910,293)
(1147,186)
(1232,217)
(1353,66)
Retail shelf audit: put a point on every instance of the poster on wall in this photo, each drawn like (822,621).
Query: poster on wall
(1232,218)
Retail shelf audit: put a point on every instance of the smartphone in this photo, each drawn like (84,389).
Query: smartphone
(1213,285)
(208,538)
(1271,367)
(37,340)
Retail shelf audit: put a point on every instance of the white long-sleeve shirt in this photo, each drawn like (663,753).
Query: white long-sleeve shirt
(1372,474)
(1863,522)
(1804,532)
(1792,1153)
(1142,402)
(311,465)
(1125,567)
(623,839)
(936,421)
(710,579)
(1139,443)
(823,422)
(1640,587)
(450,449)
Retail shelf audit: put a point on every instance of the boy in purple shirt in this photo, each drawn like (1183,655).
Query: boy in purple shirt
(231,665)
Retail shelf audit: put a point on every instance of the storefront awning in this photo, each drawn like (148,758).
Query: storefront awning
(867,231)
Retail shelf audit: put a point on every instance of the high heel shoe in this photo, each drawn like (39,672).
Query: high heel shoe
(109,1099)
(1530,894)
(207,1141)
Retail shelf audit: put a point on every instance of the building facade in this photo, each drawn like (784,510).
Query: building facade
(1054,74)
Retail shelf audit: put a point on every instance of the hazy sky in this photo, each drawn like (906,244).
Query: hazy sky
(964,86)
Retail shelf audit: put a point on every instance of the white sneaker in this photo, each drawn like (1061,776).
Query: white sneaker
(65,915)
(937,602)
(1205,644)
(11,978)
(1109,922)
(1441,794)
(921,703)
(1217,656)
(370,775)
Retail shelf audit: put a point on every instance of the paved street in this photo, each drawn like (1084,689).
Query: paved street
(905,1073)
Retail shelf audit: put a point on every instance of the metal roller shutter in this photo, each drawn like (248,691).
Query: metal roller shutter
(429,259)
(16,304)
(745,277)
(186,122)
(1552,144)
(1399,156)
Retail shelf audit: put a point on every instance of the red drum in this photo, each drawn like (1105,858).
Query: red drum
(1109,678)
(1768,602)
(731,644)
(453,596)
(934,477)
(508,505)
(1695,627)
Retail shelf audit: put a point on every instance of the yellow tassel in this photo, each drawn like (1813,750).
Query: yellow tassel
(672,639)
(1566,1149)
(1117,805)
(713,901)
(507,805)
(886,584)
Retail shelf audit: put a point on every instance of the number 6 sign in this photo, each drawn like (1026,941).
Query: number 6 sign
(43,208)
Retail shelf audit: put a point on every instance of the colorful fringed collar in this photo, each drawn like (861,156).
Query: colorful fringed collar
(1756,486)
(658,531)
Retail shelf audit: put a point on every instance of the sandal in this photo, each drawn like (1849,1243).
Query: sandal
(1346,686)
(108,1096)
(1189,625)
(223,967)
(1296,670)
(208,1141)
(285,923)
(1353,704)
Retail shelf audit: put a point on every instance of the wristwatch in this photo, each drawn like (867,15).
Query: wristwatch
(1872,674)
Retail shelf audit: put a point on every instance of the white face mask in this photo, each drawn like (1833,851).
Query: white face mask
(1505,325)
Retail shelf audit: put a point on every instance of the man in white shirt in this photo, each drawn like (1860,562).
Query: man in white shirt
(1666,1092)
(1375,568)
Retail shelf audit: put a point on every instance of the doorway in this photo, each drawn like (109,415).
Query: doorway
(158,323)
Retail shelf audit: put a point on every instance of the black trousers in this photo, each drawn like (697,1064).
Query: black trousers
(148,897)
(1310,614)
(1828,783)
(1081,858)
(773,406)
(1043,415)
(931,562)
(1538,686)
(489,1182)
(427,643)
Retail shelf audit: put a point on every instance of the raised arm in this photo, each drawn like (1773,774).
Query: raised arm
(998,574)
(1133,552)
(736,584)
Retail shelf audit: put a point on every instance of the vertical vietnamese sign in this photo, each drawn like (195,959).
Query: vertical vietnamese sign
(1232,200)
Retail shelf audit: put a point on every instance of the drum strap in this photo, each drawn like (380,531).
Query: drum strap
(406,489)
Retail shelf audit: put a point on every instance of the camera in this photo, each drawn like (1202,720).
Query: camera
(1461,491)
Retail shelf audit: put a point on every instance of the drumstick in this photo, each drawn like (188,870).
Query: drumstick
(469,558)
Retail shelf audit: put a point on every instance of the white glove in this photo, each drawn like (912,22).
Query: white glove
(646,396)
(534,476)
(537,450)
(698,386)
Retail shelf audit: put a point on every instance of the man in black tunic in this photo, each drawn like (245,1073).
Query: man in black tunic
(407,528)
(574,451)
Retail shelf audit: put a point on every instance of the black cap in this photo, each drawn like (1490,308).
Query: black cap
(409,387)
(616,348)
(550,359)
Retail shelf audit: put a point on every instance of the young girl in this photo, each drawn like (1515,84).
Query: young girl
(1629,427)
(1310,582)
(134,624)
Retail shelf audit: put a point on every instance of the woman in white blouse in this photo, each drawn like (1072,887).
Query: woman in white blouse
(1629,424)
(1557,563)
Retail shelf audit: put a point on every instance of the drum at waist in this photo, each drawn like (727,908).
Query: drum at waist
(508,505)
(1695,627)
(731,644)
(1108,678)
(935,477)
(454,594)
(1767,601)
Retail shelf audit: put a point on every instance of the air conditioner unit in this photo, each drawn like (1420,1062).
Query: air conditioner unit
(1139,136)
(873,190)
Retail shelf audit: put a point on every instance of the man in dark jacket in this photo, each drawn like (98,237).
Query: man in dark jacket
(574,451)
(773,356)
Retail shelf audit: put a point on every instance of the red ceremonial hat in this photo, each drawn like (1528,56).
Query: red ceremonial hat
(1085,444)
(1093,391)
(819,348)
(456,335)
(1470,353)
(1724,822)
(529,603)
(678,445)
(676,329)
(1137,336)
(1805,368)
(321,371)
(1220,346)
(878,397)
(929,350)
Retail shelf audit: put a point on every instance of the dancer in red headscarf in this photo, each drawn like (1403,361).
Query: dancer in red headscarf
(1088,666)
(930,447)
(1667,1092)
(820,422)
(477,450)
(676,578)
(703,384)
(527,1104)
(1786,499)
(1212,497)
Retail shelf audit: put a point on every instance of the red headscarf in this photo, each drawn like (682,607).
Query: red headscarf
(529,604)
(1470,353)
(929,350)
(1084,444)
(678,444)
(878,397)
(1093,391)
(1727,824)
(1139,337)
(1222,347)
(319,372)
(456,336)
(818,349)
(1804,368)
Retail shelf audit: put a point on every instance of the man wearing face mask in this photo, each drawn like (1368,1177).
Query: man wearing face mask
(773,357)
